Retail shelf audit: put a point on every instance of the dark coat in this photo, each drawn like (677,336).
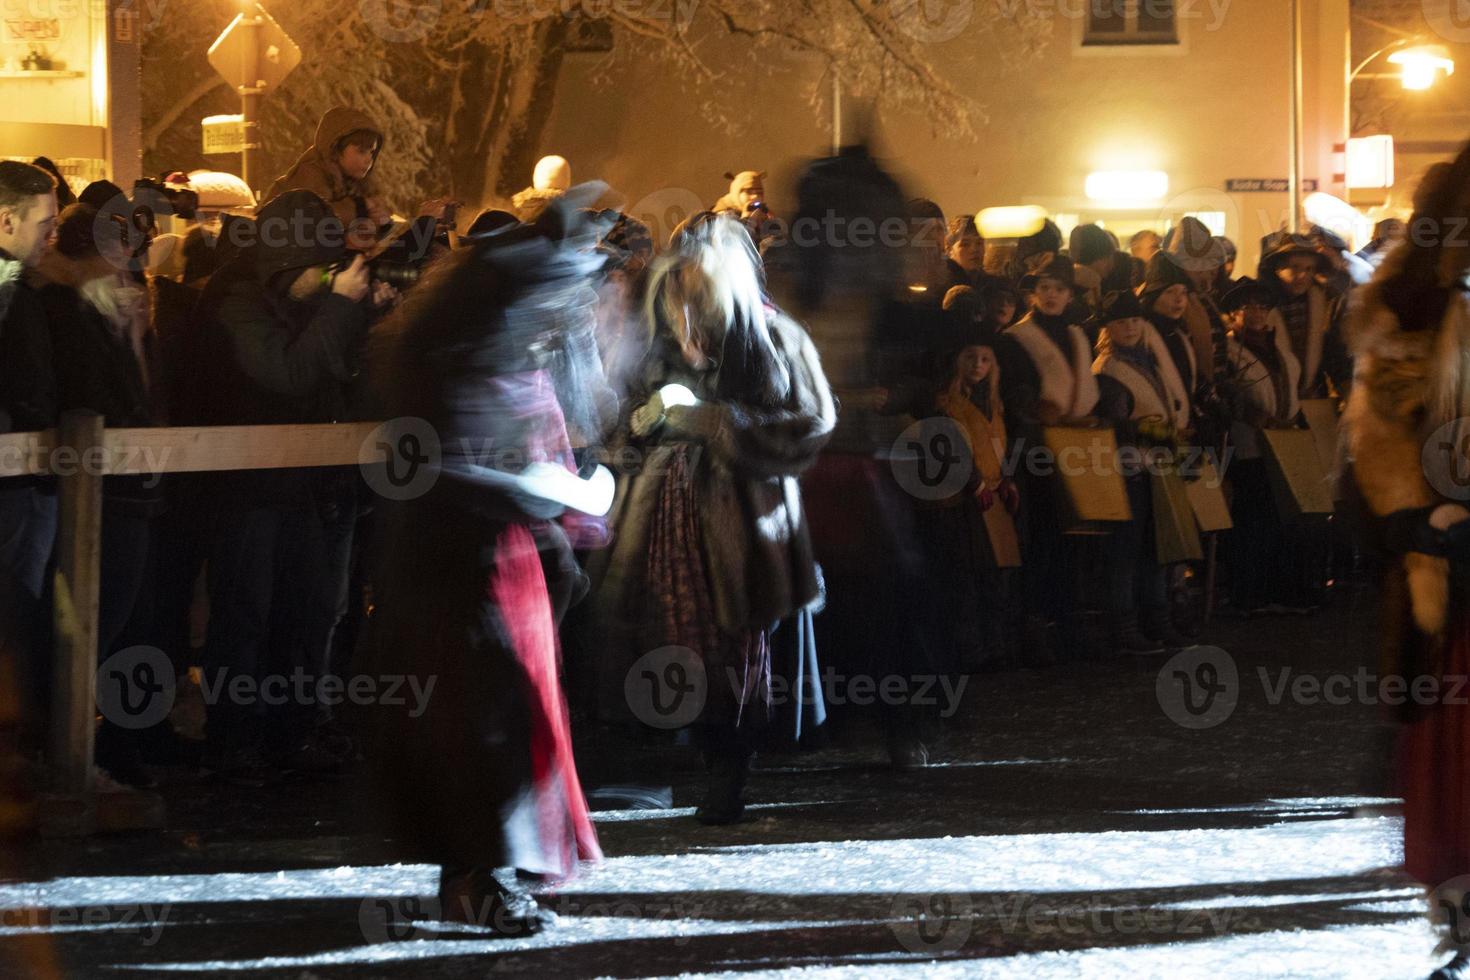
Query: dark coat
(27,380)
(98,370)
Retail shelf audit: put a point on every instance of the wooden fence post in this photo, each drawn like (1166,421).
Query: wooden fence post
(79,464)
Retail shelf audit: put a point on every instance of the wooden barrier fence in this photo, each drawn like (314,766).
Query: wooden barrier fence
(80,453)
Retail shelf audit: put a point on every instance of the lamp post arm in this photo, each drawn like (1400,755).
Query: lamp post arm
(1402,42)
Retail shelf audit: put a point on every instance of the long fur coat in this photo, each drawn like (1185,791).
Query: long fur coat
(1408,383)
(744,467)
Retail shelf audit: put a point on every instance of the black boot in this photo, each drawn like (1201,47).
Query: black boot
(492,898)
(1128,640)
(1456,969)
(727,759)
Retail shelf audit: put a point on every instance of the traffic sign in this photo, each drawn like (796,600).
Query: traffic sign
(254,52)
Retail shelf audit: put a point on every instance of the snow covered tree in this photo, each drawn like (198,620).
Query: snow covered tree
(463,87)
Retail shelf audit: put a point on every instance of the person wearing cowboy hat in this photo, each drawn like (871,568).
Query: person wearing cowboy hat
(1294,267)
(1268,554)
(1144,398)
(973,571)
(1046,380)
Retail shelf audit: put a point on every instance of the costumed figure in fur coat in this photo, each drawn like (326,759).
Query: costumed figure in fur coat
(482,781)
(1406,419)
(711,550)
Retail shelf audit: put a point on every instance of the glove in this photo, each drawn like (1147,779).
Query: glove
(1010,496)
(986,497)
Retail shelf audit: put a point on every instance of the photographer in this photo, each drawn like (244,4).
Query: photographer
(283,323)
(337,167)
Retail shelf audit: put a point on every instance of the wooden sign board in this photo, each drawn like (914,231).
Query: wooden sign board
(1004,544)
(1207,500)
(1322,421)
(1299,480)
(1092,490)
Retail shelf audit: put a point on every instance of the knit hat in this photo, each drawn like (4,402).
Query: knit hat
(552,173)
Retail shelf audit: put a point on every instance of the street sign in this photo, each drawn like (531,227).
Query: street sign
(254,52)
(1265,185)
(224,134)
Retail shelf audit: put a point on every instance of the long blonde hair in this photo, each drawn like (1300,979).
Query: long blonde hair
(706,291)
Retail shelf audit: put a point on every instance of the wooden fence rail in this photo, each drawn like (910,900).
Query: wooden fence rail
(80,453)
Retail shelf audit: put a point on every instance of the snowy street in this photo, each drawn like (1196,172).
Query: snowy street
(1264,846)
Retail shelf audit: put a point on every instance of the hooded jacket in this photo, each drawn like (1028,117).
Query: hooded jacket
(317,171)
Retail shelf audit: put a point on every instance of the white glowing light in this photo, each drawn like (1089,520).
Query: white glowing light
(1422,64)
(1127,186)
(677,394)
(1010,222)
(1370,162)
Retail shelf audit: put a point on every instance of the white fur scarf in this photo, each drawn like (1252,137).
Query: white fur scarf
(1069,385)
(10,270)
(1254,378)
(1146,402)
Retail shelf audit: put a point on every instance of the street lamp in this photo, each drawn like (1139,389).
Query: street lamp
(1422,64)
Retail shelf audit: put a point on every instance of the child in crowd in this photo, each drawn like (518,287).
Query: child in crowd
(1142,394)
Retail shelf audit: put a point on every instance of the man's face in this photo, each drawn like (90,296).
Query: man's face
(1052,296)
(1298,274)
(28,229)
(357,159)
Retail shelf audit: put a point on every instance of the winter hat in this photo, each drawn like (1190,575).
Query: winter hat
(1245,291)
(745,180)
(1193,247)
(1122,305)
(1060,268)
(965,303)
(1089,244)
(1162,273)
(1279,246)
(553,173)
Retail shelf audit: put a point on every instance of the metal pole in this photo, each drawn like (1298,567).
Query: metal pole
(836,112)
(250,92)
(1294,180)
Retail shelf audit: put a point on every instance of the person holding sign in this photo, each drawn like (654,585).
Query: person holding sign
(1142,395)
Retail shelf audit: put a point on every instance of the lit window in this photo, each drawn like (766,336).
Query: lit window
(1131,22)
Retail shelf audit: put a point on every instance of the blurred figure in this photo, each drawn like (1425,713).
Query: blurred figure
(64,194)
(711,549)
(481,779)
(1144,244)
(1387,234)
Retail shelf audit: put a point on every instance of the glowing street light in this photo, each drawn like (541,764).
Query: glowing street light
(1127,186)
(1422,64)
